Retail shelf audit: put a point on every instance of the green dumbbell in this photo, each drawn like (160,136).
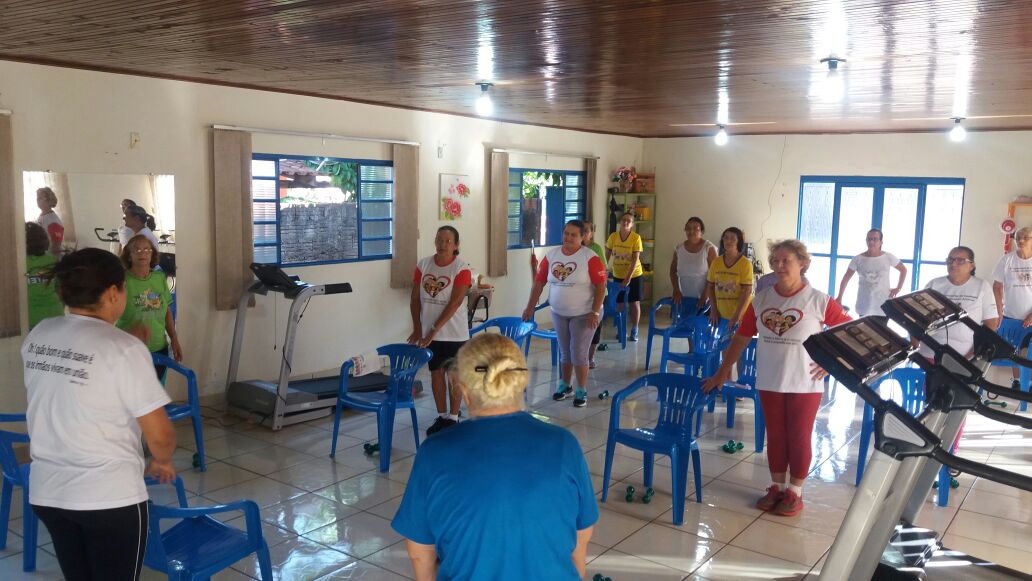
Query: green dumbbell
(604,395)
(196,460)
(603,347)
(954,483)
(649,493)
(1001,404)
(629,497)
(371,449)
(601,577)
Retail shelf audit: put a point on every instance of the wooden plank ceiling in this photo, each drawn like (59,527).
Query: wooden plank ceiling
(643,68)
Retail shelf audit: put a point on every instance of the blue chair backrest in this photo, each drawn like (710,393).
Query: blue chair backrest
(747,365)
(1013,331)
(514,328)
(911,382)
(679,397)
(704,336)
(8,459)
(405,362)
(613,289)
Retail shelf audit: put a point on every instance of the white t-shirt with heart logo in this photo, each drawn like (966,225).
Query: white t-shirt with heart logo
(571,280)
(436,284)
(782,324)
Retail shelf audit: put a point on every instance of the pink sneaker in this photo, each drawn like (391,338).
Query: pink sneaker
(790,505)
(773,497)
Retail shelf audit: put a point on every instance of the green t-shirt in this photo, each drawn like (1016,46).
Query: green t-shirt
(43,301)
(146,302)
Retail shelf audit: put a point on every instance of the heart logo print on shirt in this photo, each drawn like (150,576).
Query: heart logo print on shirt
(562,270)
(778,321)
(434,284)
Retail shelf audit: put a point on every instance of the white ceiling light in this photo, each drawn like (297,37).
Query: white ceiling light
(958,133)
(484,106)
(721,137)
(834,87)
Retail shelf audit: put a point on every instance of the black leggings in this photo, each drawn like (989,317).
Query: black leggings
(98,545)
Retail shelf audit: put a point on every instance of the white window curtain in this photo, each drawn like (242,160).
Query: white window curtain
(164,188)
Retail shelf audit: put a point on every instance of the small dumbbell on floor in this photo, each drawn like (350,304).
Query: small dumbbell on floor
(647,497)
(1001,404)
(629,497)
(732,446)
(604,395)
(601,577)
(954,483)
(371,448)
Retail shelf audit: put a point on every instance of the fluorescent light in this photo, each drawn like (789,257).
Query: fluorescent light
(721,137)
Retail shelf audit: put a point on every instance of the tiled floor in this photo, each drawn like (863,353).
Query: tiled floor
(327,519)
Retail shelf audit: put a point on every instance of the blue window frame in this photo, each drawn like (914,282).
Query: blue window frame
(920,219)
(321,210)
(537,219)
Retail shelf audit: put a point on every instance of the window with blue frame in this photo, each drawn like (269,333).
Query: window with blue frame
(321,210)
(541,201)
(920,219)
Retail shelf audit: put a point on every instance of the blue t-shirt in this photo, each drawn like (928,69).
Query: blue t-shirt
(501,497)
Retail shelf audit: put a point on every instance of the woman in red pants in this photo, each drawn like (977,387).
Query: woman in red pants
(789,382)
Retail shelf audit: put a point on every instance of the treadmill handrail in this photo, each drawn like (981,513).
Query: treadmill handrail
(1005,477)
(1005,391)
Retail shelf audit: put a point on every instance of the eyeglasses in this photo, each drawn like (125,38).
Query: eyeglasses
(958,260)
(143,250)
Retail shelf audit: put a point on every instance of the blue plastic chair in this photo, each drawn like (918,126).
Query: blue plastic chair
(680,399)
(548,334)
(198,546)
(706,341)
(1014,333)
(406,360)
(616,310)
(745,386)
(514,328)
(687,308)
(17,475)
(191,408)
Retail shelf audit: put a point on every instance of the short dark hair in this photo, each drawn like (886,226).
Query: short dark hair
(881,235)
(698,221)
(969,252)
(84,275)
(738,234)
(127,257)
(138,212)
(36,240)
(579,224)
(454,232)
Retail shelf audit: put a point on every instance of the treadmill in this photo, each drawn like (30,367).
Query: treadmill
(877,539)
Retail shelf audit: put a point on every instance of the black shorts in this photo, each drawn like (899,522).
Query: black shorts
(443,351)
(633,292)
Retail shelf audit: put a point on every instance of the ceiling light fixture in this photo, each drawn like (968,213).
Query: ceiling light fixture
(721,137)
(958,133)
(834,88)
(484,106)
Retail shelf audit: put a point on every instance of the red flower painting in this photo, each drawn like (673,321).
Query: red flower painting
(451,209)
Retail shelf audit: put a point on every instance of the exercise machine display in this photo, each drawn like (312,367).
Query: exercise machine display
(284,401)
(877,538)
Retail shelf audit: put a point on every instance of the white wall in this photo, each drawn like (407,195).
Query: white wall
(79,122)
(753,181)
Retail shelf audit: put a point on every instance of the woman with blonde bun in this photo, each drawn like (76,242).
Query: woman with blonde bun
(472,485)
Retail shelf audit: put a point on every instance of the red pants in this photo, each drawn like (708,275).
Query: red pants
(789,418)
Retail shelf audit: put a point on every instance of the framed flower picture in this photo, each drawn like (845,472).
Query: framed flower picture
(455,193)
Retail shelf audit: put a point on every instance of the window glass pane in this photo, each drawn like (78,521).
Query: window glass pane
(265,254)
(263,168)
(514,193)
(264,233)
(514,239)
(376,247)
(263,189)
(514,208)
(898,219)
(943,206)
(376,210)
(377,172)
(574,193)
(263,211)
(854,220)
(376,229)
(818,205)
(318,210)
(573,179)
(515,177)
(376,191)
(514,224)
(849,299)
(576,208)
(817,274)
(930,271)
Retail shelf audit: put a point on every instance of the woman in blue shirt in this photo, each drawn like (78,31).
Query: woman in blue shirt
(504,496)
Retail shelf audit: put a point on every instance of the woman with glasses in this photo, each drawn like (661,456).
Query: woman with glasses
(971,293)
(874,267)
(1012,284)
(146,314)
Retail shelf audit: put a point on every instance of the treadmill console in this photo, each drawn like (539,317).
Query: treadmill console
(274,277)
(923,311)
(858,350)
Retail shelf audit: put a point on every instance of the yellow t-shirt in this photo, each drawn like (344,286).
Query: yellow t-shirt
(622,250)
(728,282)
